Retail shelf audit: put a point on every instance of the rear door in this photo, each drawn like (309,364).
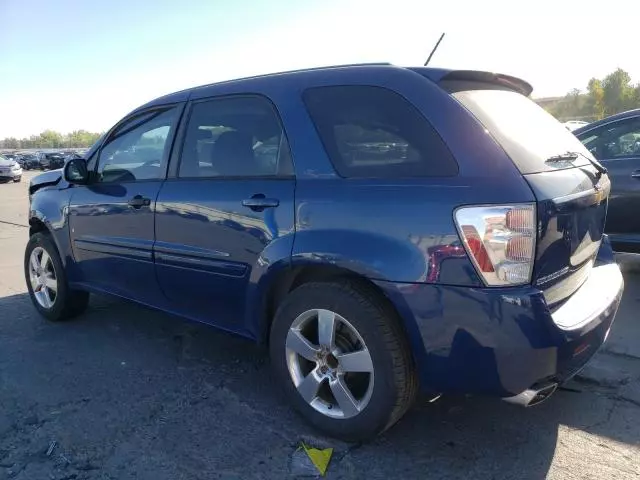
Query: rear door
(570,186)
(617,146)
(112,219)
(229,201)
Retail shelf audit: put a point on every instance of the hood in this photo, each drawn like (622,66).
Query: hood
(51,177)
(5,162)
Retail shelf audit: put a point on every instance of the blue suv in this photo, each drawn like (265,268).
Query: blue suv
(380,228)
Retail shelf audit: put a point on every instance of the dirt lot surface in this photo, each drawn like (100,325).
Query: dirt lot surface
(129,393)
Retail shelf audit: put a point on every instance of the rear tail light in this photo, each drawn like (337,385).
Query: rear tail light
(500,239)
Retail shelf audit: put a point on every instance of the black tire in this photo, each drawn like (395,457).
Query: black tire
(395,382)
(68,303)
(16,180)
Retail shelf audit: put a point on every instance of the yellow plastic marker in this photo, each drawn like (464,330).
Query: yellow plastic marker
(319,458)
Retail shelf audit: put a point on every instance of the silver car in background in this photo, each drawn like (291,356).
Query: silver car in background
(10,170)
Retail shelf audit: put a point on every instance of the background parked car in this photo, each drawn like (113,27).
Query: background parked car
(28,161)
(9,170)
(615,142)
(51,161)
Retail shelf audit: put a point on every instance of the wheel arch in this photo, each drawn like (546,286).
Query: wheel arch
(46,215)
(37,225)
(288,279)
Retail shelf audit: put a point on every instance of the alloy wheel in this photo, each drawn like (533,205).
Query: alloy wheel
(42,276)
(329,363)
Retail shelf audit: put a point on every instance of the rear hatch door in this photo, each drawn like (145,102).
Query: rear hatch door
(570,186)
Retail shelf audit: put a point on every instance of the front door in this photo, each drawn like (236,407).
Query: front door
(617,146)
(230,202)
(112,219)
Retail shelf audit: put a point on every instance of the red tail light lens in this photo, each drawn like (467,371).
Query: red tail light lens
(476,246)
(500,241)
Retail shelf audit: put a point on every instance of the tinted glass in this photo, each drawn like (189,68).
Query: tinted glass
(136,151)
(234,137)
(374,132)
(616,140)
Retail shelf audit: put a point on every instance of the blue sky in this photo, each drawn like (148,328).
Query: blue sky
(70,64)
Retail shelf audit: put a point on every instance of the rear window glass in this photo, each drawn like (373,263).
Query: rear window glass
(527,133)
(373,132)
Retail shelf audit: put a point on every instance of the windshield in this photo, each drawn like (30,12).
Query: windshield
(528,134)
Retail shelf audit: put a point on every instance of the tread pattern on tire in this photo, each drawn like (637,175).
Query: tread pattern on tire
(396,343)
(392,336)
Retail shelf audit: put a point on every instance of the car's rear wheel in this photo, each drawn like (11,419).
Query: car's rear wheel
(343,359)
(47,281)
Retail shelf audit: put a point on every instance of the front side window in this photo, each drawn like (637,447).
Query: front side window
(374,132)
(234,137)
(136,150)
(617,140)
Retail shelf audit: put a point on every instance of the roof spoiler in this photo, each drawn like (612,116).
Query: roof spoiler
(498,79)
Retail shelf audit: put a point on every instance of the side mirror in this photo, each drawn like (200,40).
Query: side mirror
(75,171)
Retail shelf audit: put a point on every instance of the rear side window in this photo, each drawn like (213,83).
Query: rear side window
(372,132)
(235,137)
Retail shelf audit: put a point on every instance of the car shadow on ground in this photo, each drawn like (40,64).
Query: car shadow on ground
(125,379)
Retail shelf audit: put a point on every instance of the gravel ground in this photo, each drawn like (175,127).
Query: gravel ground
(129,393)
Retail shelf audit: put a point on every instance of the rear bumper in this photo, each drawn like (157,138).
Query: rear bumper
(501,342)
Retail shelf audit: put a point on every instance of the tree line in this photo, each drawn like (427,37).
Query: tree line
(52,139)
(606,96)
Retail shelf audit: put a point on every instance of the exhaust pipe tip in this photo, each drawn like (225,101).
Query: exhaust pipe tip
(532,396)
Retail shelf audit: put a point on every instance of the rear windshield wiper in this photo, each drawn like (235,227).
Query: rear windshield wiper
(571,156)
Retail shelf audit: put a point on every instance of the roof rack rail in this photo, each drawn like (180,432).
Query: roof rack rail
(298,70)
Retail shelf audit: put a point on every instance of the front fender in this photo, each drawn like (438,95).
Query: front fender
(49,207)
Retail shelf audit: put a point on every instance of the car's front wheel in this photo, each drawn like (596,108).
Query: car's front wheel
(47,281)
(343,359)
